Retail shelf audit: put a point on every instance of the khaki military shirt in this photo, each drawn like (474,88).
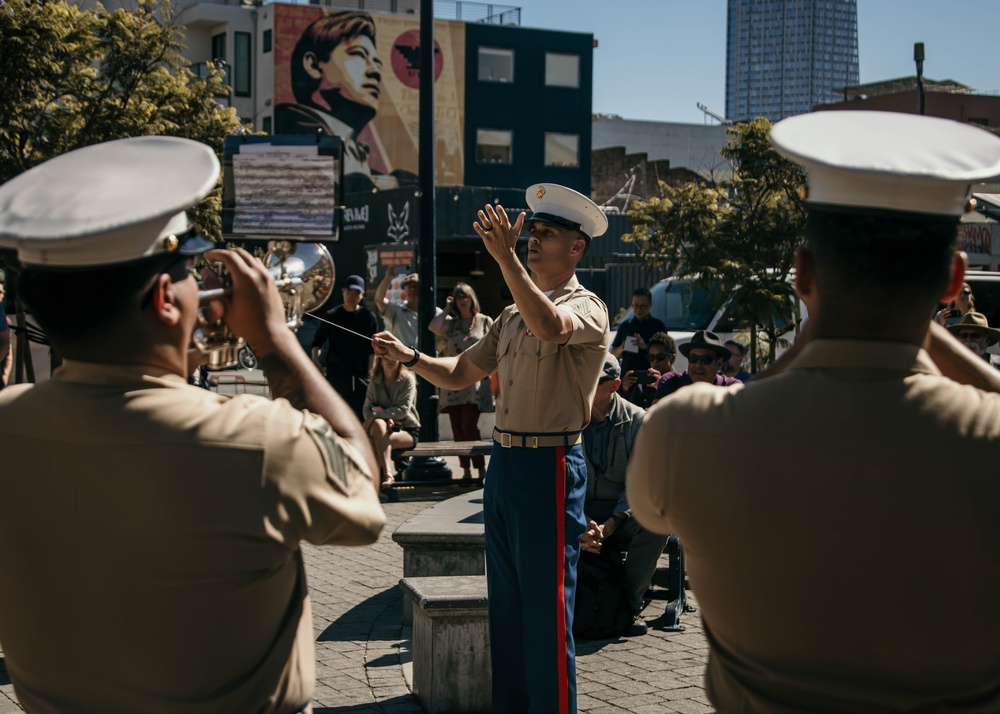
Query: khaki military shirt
(545,387)
(841,531)
(150,532)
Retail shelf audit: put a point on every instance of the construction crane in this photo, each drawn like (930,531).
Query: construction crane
(718,117)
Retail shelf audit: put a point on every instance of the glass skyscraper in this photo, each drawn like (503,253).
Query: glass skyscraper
(785,56)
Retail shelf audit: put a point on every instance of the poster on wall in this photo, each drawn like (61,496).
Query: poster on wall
(356,75)
(282,186)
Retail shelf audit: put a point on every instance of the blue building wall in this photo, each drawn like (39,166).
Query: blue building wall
(527,107)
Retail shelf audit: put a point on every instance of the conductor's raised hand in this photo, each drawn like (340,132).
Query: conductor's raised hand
(385,344)
(253,310)
(498,234)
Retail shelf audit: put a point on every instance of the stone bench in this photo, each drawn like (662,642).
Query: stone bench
(447,539)
(434,450)
(451,650)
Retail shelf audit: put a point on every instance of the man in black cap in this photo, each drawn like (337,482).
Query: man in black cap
(607,445)
(348,357)
(705,355)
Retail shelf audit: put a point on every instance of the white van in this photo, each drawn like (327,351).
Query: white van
(684,309)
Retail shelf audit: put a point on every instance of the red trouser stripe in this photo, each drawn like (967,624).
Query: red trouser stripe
(562,678)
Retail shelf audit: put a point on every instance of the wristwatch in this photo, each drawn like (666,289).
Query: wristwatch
(619,520)
(416,357)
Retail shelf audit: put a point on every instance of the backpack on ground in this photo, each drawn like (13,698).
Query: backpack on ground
(602,609)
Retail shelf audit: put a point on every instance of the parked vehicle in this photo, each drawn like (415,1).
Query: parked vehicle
(684,309)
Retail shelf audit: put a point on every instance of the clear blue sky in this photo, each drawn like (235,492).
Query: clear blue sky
(657,58)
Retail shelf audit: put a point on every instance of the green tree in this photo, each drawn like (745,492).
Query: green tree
(740,239)
(77,77)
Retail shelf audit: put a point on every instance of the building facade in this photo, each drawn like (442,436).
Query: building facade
(783,57)
(512,108)
(946,99)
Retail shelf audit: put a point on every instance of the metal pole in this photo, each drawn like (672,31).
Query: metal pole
(427,402)
(918,57)
(427,468)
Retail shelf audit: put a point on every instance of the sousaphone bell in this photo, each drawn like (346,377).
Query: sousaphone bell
(304,274)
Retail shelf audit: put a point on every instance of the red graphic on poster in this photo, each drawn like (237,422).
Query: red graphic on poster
(406,59)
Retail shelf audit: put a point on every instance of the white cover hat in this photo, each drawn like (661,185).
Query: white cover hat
(888,161)
(109,203)
(560,206)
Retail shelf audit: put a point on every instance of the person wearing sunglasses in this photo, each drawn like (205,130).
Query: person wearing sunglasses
(963,304)
(639,386)
(975,332)
(631,342)
(733,366)
(705,355)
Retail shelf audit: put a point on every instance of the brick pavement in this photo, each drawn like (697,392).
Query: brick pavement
(361,645)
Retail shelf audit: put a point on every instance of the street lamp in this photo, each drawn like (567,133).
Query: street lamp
(918,57)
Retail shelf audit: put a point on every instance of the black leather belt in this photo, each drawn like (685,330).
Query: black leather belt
(521,440)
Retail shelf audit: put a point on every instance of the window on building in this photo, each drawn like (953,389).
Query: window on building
(241,64)
(267,41)
(562,70)
(266,125)
(562,149)
(494,146)
(496,65)
(219,46)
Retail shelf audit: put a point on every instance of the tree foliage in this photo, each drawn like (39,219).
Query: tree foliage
(740,239)
(77,77)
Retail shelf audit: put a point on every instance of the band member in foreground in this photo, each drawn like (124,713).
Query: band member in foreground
(151,529)
(833,494)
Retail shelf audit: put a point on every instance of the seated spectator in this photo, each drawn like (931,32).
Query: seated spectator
(607,447)
(705,354)
(662,353)
(975,333)
(733,366)
(631,343)
(390,410)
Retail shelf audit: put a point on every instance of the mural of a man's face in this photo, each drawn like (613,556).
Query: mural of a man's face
(352,74)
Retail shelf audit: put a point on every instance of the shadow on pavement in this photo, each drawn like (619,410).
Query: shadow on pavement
(589,647)
(386,660)
(395,704)
(365,620)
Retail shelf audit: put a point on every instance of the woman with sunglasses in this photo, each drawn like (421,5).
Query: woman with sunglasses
(459,326)
(963,304)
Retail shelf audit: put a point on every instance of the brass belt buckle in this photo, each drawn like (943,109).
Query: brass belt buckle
(533,444)
(505,440)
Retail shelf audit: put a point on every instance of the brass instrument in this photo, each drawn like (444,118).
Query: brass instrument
(304,274)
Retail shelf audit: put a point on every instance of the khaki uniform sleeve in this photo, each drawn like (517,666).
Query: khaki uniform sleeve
(316,486)
(590,320)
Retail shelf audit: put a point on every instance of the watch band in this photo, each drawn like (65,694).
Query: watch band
(416,357)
